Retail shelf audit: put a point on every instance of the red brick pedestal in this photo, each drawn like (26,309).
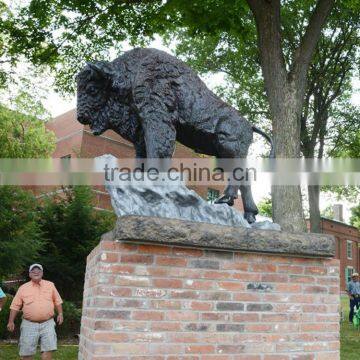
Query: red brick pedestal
(167,302)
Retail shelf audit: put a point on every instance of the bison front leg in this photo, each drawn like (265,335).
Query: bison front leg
(230,194)
(160,138)
(156,109)
(139,144)
(160,143)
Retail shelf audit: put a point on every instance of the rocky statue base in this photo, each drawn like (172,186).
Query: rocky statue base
(175,201)
(166,289)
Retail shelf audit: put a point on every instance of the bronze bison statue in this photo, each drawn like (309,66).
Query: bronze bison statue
(153,100)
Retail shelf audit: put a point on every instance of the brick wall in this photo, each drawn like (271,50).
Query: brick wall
(170,303)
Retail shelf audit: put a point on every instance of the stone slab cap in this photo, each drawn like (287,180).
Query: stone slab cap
(146,229)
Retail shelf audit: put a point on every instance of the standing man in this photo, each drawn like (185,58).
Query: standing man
(2,299)
(353,290)
(37,299)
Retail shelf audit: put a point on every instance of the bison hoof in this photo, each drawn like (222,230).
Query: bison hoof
(225,199)
(250,217)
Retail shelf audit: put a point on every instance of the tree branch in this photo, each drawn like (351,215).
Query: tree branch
(267,19)
(308,43)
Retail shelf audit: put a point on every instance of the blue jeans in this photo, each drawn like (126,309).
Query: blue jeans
(353,302)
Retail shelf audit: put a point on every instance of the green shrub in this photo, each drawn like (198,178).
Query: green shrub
(4,317)
(71,326)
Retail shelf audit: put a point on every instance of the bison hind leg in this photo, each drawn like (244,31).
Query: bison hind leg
(229,149)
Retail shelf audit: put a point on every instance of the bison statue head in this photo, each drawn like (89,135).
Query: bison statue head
(100,90)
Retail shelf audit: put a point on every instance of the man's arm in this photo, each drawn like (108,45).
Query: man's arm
(60,317)
(58,305)
(15,307)
(11,323)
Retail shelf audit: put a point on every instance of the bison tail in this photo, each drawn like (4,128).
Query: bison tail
(267,137)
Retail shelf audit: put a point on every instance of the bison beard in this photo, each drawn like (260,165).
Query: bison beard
(153,99)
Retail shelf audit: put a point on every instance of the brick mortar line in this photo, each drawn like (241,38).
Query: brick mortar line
(184,322)
(215,322)
(306,261)
(206,251)
(216,332)
(204,270)
(170,308)
(237,301)
(216,279)
(210,321)
(207,302)
(220,290)
(206,344)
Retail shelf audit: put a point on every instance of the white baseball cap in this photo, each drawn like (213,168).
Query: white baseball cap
(34,266)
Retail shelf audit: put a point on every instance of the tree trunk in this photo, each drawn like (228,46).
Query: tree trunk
(314,199)
(287,201)
(286,91)
(314,190)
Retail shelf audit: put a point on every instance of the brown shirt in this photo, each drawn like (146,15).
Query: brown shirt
(36,301)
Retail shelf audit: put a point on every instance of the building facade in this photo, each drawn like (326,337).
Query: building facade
(347,247)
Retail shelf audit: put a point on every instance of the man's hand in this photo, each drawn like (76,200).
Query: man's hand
(60,319)
(11,326)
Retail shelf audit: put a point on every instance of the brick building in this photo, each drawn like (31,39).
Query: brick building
(347,247)
(76,140)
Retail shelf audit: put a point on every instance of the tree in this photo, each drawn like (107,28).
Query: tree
(265,207)
(94,27)
(345,143)
(285,84)
(327,113)
(23,136)
(328,91)
(21,236)
(355,216)
(72,228)
(6,59)
(328,212)
(346,139)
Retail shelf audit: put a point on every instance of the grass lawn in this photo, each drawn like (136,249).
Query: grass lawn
(349,336)
(350,343)
(65,352)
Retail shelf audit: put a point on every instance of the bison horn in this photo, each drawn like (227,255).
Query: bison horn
(100,69)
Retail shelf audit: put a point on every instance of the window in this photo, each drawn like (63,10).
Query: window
(349,249)
(212,195)
(348,272)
